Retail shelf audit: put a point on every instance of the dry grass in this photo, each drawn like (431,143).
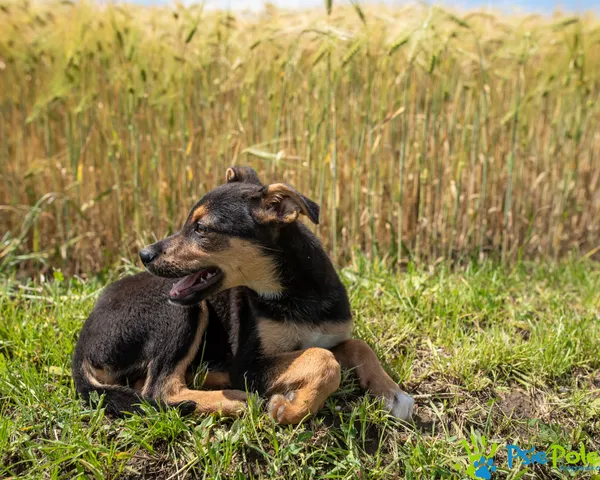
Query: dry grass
(468,133)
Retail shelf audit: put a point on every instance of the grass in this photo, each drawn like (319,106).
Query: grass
(500,354)
(428,136)
(424,133)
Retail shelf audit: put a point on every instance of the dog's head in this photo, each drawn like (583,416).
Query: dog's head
(225,240)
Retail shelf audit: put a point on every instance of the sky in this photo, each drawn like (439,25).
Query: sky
(540,6)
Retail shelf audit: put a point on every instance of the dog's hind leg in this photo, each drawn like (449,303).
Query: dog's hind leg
(167,380)
(357,355)
(225,402)
(298,383)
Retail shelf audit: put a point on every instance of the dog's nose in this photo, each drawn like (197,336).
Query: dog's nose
(147,255)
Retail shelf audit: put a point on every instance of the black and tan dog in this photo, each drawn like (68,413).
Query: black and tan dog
(256,292)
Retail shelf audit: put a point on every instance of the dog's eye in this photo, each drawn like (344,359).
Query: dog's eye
(201,228)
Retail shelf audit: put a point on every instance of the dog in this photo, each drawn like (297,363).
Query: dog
(255,293)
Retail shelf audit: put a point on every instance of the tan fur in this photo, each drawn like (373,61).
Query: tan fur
(290,204)
(301,382)
(217,380)
(358,355)
(226,402)
(277,337)
(103,376)
(174,389)
(98,376)
(241,261)
(200,212)
(265,215)
(138,386)
(245,264)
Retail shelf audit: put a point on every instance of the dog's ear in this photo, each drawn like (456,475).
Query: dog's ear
(281,203)
(242,174)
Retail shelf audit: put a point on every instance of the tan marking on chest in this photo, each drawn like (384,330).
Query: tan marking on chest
(278,337)
(245,264)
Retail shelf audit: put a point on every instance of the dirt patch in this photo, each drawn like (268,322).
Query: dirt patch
(517,404)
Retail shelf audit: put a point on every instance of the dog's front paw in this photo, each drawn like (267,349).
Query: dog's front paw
(399,404)
(282,409)
(277,406)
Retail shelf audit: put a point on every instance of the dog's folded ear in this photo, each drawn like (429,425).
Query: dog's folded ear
(281,203)
(242,174)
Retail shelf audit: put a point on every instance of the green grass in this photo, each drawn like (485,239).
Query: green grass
(510,354)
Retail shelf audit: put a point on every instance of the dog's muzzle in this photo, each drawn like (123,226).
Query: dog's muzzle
(148,255)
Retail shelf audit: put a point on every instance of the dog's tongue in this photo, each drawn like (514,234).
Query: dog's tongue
(184,284)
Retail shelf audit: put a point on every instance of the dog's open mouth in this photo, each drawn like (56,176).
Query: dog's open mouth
(195,282)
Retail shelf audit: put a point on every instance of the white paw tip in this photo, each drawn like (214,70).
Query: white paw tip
(280,411)
(400,405)
(276,408)
(290,395)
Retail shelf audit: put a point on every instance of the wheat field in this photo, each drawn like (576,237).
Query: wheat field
(425,134)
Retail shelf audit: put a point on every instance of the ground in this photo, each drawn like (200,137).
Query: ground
(493,355)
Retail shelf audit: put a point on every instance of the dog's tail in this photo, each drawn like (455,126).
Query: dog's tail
(119,400)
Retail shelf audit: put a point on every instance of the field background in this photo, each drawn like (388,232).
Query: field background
(424,134)
(461,147)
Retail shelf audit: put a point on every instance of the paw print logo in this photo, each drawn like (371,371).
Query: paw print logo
(480,457)
(484,467)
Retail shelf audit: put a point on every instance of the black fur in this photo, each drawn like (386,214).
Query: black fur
(133,330)
(313,293)
(136,331)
